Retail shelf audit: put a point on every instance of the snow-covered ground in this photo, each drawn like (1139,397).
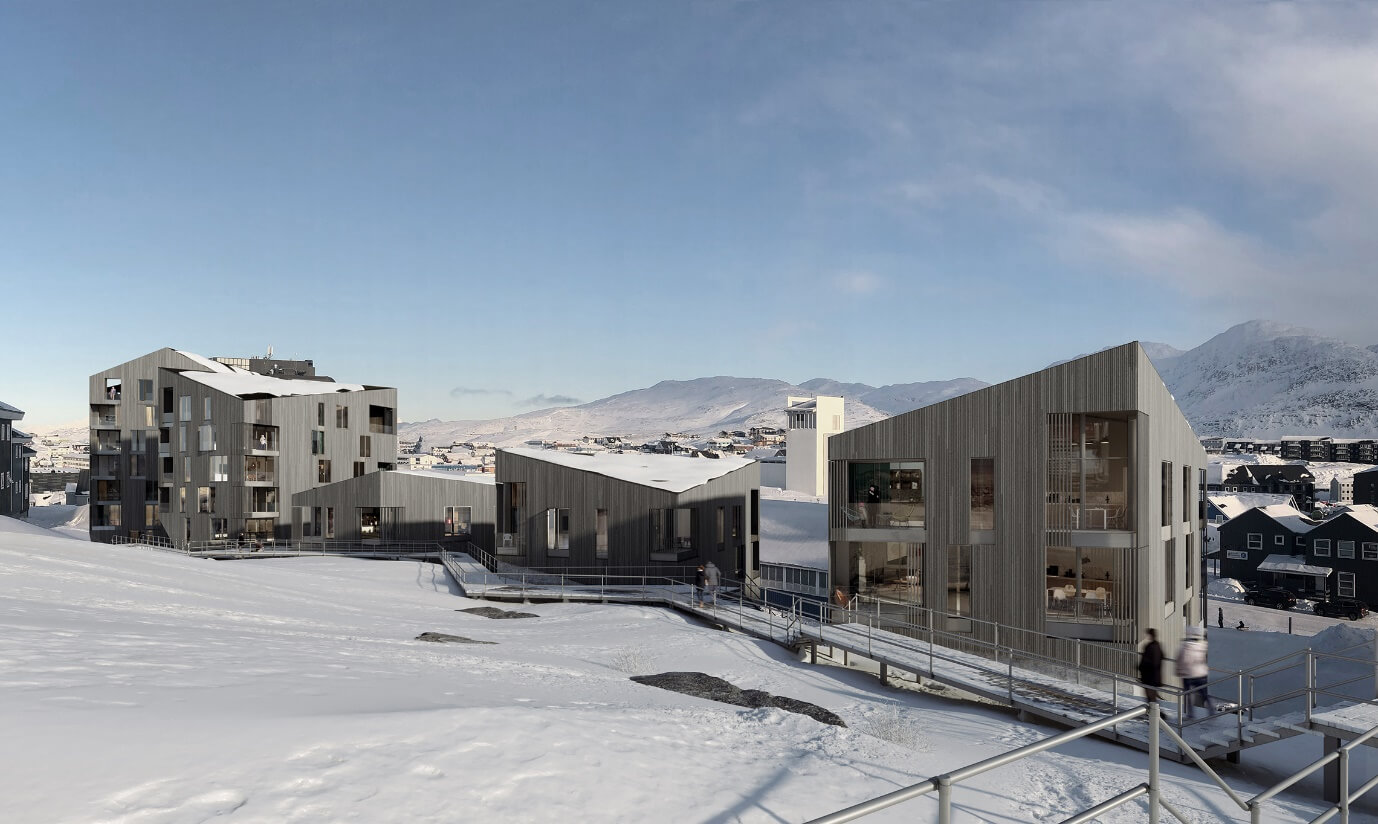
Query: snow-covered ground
(68,519)
(138,686)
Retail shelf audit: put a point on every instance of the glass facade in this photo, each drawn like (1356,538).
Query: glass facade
(883,570)
(885,495)
(1082,583)
(1089,471)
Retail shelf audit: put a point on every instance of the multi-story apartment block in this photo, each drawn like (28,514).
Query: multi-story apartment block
(15,455)
(194,449)
(1066,504)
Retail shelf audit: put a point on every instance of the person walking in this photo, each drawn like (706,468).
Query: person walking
(1220,617)
(1151,665)
(700,581)
(1192,669)
(712,578)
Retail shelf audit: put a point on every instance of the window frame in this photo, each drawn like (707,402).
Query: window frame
(1254,540)
(1320,547)
(1341,579)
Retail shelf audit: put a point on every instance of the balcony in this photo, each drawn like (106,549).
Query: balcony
(263,503)
(260,470)
(104,417)
(106,442)
(380,420)
(263,440)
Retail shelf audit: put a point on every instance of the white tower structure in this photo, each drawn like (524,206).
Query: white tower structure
(809,423)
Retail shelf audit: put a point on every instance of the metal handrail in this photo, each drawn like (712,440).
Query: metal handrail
(942,784)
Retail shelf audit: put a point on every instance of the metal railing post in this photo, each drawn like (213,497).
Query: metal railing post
(1310,684)
(1154,721)
(1344,785)
(1011,676)
(944,799)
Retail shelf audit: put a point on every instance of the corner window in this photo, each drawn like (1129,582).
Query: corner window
(885,495)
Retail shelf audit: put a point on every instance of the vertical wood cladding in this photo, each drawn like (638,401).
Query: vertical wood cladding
(1010,422)
(628,504)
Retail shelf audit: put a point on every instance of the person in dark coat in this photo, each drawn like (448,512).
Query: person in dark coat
(1151,665)
(1220,617)
(700,582)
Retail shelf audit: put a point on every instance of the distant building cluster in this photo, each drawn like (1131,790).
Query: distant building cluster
(1299,448)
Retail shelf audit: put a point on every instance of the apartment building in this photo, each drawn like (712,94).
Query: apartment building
(1066,504)
(197,450)
(15,457)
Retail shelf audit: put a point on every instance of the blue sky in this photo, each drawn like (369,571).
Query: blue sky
(495,205)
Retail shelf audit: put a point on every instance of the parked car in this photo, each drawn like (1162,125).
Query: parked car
(1275,597)
(1333,606)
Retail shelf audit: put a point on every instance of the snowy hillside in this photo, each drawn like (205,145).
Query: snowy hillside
(702,406)
(1267,379)
(147,687)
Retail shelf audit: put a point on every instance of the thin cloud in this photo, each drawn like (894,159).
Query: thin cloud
(550,400)
(858,283)
(465,391)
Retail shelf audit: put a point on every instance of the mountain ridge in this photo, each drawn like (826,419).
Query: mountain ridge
(1260,378)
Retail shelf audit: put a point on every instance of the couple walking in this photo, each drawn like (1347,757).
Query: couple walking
(1190,666)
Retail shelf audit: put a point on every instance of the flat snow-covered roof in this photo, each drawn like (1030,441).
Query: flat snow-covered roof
(240,382)
(471,478)
(672,473)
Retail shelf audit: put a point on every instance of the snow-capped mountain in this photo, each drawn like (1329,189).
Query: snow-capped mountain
(702,406)
(1257,379)
(1267,379)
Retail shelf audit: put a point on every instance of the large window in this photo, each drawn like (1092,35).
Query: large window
(259,469)
(1089,472)
(206,437)
(1082,584)
(145,390)
(1345,584)
(686,525)
(220,468)
(184,408)
(368,522)
(264,499)
(982,493)
(885,495)
(457,519)
(1344,549)
(205,499)
(557,530)
(264,438)
(889,571)
(380,419)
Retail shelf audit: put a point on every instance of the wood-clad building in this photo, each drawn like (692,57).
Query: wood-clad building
(1060,505)
(400,505)
(195,450)
(15,457)
(562,509)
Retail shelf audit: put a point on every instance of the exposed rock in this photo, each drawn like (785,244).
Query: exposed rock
(702,685)
(442,638)
(494,612)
